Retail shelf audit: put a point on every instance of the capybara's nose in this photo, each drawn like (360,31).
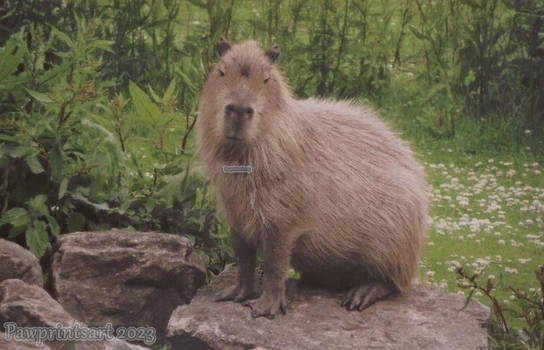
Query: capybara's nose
(240,111)
(229,109)
(249,112)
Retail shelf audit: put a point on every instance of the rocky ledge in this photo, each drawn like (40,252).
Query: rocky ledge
(427,317)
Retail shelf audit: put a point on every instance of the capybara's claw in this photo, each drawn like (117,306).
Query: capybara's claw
(235,293)
(361,297)
(265,306)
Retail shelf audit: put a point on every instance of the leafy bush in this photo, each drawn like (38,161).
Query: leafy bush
(56,163)
(75,159)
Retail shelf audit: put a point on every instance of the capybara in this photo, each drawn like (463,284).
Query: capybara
(327,187)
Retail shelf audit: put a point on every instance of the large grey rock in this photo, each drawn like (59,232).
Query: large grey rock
(125,278)
(30,306)
(425,318)
(18,262)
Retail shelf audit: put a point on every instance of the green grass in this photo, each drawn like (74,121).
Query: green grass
(500,227)
(488,181)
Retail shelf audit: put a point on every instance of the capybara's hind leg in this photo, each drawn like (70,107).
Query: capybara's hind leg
(330,279)
(362,296)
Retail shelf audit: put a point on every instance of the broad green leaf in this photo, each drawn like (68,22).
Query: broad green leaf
(37,205)
(107,135)
(209,198)
(62,188)
(37,238)
(10,61)
(65,38)
(98,206)
(103,44)
(186,79)
(153,94)
(198,198)
(39,96)
(101,120)
(17,151)
(124,205)
(159,166)
(17,217)
(143,104)
(34,165)
(58,165)
(57,70)
(53,225)
(16,231)
(170,90)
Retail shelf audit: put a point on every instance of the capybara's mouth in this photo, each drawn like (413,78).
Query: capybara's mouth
(234,138)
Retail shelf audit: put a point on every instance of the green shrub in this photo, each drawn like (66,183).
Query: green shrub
(57,164)
(75,159)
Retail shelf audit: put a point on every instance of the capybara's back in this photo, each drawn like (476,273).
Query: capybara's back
(330,189)
(368,198)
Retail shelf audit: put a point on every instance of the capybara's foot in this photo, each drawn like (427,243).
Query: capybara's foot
(362,296)
(236,293)
(267,306)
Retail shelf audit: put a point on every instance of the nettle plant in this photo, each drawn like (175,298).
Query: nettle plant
(78,154)
(55,162)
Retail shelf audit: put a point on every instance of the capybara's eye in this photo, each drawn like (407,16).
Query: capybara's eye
(266,80)
(221,73)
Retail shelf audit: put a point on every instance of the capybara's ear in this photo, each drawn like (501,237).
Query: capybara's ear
(222,46)
(273,53)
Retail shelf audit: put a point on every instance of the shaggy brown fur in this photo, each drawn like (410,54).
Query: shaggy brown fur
(333,191)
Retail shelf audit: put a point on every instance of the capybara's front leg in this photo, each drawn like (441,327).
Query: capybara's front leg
(277,252)
(245,284)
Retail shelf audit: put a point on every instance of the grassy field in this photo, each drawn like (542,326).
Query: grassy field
(487,215)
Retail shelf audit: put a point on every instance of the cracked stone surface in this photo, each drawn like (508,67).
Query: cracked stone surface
(30,306)
(18,262)
(427,317)
(125,278)
(20,345)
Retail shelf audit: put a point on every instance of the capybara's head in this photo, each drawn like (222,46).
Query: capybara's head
(243,89)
